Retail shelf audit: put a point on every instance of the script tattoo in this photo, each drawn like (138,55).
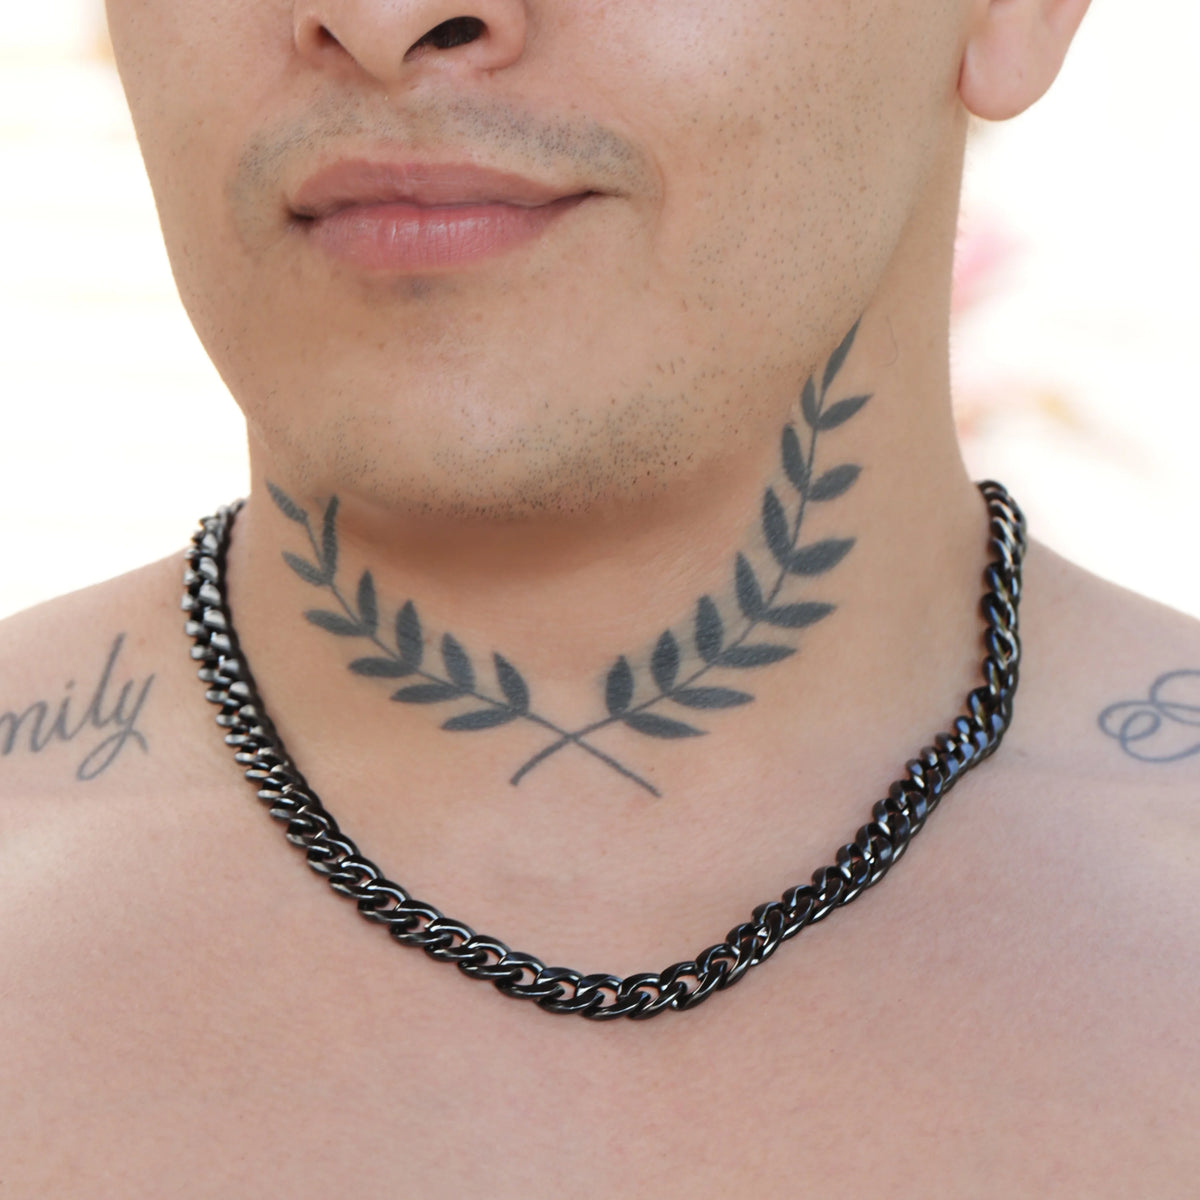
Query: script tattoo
(1163,728)
(629,701)
(35,729)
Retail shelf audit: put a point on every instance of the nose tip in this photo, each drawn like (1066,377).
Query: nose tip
(392,41)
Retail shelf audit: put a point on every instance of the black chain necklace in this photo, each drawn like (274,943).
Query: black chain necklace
(895,820)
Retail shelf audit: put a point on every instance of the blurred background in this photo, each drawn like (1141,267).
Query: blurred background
(1075,315)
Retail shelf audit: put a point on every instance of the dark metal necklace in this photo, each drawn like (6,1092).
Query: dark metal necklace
(859,864)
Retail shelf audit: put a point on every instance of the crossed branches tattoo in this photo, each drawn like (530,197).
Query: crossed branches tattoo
(637,704)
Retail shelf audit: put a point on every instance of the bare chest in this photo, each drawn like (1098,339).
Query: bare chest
(172,1033)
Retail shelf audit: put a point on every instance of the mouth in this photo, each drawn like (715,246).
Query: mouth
(422,217)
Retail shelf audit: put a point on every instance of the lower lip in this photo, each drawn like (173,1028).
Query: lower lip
(411,238)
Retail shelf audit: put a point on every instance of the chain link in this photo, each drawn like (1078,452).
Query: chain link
(858,865)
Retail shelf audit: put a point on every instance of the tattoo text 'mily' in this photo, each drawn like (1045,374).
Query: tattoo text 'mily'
(41,724)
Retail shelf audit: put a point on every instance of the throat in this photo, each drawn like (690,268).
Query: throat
(690,658)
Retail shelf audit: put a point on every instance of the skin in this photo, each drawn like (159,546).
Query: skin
(506,480)
(428,395)
(554,454)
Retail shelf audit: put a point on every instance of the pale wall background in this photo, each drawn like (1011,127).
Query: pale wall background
(1075,360)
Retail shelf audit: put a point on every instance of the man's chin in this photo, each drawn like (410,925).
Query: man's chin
(535,491)
(431,462)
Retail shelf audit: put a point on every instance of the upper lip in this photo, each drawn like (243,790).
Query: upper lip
(356,182)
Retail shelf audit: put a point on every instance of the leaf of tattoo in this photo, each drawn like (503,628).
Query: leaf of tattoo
(287,506)
(329,545)
(368,606)
(427,693)
(820,557)
(794,466)
(458,665)
(835,483)
(710,630)
(797,616)
(410,642)
(334,623)
(653,725)
(710,697)
(484,718)
(515,689)
(749,593)
(380,668)
(808,405)
(775,528)
(618,689)
(664,663)
(838,358)
(840,413)
(305,569)
(754,656)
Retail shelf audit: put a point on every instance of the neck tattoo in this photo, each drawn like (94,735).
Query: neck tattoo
(758,634)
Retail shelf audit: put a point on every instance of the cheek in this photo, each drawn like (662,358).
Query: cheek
(793,141)
(194,75)
(783,139)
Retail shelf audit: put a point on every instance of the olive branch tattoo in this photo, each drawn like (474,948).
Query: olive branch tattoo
(759,606)
(407,659)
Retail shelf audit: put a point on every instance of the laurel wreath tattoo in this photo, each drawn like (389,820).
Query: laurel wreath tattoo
(453,676)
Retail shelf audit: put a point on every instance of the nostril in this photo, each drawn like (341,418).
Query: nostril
(325,37)
(458,31)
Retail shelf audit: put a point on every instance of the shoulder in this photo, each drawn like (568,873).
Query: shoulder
(51,632)
(106,764)
(1069,865)
(1093,797)
(81,683)
(1111,678)
(1097,786)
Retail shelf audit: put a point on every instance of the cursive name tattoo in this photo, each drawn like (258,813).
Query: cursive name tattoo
(650,703)
(1163,728)
(46,722)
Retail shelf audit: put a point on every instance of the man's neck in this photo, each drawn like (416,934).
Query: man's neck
(739,630)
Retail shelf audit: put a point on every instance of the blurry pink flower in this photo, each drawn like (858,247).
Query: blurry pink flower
(981,249)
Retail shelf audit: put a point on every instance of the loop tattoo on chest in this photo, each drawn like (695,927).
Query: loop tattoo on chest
(662,706)
(1162,728)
